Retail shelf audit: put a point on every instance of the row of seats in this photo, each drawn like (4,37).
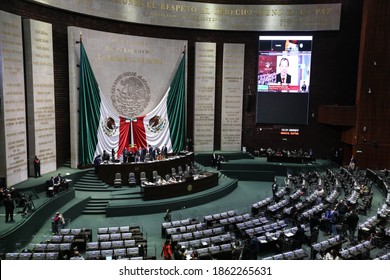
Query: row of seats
(269,237)
(218,216)
(185,229)
(131,253)
(132,182)
(118,229)
(90,246)
(266,228)
(124,242)
(118,236)
(238,218)
(384,257)
(354,251)
(176,224)
(325,245)
(52,247)
(262,204)
(298,254)
(208,241)
(252,223)
(212,251)
(62,238)
(32,256)
(198,234)
(314,210)
(278,206)
(74,231)
(298,206)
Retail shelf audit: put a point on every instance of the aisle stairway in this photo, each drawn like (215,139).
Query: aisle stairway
(101,193)
(90,182)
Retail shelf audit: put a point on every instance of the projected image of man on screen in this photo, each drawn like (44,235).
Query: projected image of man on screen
(283,77)
(283,82)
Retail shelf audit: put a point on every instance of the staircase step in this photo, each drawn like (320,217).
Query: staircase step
(90,180)
(99,200)
(91,184)
(91,189)
(96,205)
(94,212)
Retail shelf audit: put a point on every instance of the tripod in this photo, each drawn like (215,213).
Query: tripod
(29,206)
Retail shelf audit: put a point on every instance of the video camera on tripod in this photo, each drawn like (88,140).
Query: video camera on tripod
(27,203)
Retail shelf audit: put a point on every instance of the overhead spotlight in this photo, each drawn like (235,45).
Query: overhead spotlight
(374,62)
(369,91)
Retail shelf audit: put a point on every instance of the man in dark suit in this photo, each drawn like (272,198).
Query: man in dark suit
(164,151)
(139,155)
(151,153)
(9,208)
(144,152)
(125,155)
(283,77)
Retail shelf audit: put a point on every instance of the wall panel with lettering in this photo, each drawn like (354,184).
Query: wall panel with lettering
(232,96)
(13,144)
(204,96)
(38,43)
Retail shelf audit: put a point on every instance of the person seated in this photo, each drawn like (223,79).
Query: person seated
(377,237)
(299,236)
(59,183)
(332,255)
(172,180)
(77,256)
(194,255)
(51,187)
(364,190)
(320,193)
(159,181)
(279,153)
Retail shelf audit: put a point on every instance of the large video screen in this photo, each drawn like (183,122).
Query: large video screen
(283,83)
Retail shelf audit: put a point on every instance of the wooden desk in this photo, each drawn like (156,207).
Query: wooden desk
(291,159)
(206,181)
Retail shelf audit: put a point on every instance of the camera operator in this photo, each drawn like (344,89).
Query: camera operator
(27,203)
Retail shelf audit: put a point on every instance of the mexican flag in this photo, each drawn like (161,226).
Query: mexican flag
(102,128)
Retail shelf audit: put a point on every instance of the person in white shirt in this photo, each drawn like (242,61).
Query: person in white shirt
(77,256)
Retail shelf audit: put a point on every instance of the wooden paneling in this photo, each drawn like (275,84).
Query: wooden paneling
(337,115)
(373,94)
